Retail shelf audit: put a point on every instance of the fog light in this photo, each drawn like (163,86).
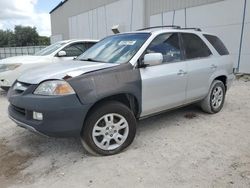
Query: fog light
(37,116)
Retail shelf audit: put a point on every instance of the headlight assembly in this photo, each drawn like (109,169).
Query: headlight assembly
(7,67)
(54,87)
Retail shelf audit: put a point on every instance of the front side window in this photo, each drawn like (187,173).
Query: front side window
(194,46)
(217,44)
(90,44)
(75,49)
(118,48)
(50,49)
(168,45)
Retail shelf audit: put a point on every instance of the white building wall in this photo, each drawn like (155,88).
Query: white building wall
(245,53)
(97,23)
(168,18)
(223,18)
(56,38)
(178,18)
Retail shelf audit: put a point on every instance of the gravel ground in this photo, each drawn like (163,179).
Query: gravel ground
(181,148)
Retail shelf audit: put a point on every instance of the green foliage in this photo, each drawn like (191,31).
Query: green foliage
(22,36)
(7,38)
(43,41)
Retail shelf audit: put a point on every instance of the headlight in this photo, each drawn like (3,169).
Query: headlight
(54,87)
(7,67)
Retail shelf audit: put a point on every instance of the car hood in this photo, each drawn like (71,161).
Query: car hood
(25,59)
(60,70)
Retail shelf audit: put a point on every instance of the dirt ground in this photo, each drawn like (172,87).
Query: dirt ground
(181,148)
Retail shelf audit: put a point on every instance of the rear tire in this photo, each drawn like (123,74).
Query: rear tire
(109,129)
(214,101)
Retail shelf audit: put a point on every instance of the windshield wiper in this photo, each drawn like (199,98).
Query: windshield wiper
(92,60)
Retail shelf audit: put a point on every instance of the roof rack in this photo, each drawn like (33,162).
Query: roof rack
(191,28)
(162,26)
(171,26)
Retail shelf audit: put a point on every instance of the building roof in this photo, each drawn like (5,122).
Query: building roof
(59,5)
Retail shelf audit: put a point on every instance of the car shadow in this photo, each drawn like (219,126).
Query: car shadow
(168,118)
(62,146)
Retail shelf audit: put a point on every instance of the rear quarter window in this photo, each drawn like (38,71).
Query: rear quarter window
(217,44)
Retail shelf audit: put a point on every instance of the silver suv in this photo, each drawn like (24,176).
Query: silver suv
(123,78)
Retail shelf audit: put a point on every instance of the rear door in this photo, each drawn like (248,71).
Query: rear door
(164,85)
(224,59)
(200,66)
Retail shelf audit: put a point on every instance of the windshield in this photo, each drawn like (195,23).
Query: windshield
(115,49)
(50,49)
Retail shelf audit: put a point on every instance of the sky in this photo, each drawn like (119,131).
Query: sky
(33,13)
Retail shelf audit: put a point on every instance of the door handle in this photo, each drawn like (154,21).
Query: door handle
(213,66)
(181,72)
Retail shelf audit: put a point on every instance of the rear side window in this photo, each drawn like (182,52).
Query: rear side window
(217,44)
(194,47)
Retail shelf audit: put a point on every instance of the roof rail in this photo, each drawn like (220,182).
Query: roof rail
(191,28)
(162,26)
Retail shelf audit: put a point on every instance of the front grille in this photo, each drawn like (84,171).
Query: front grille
(19,110)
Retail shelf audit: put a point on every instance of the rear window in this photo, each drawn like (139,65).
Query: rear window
(217,44)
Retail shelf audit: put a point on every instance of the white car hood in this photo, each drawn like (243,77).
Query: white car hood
(60,70)
(25,59)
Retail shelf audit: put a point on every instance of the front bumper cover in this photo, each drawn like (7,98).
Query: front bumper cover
(63,116)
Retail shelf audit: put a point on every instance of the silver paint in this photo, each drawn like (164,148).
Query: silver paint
(171,85)
(108,129)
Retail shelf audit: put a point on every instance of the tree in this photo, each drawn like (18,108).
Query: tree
(26,36)
(7,38)
(22,36)
(43,40)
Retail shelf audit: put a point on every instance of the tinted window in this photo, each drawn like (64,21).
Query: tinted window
(75,49)
(168,45)
(90,44)
(217,44)
(194,46)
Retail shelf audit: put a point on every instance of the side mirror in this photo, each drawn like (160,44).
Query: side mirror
(61,53)
(153,59)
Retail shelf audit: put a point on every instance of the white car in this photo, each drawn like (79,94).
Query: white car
(11,68)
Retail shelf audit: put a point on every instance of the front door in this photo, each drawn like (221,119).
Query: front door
(164,85)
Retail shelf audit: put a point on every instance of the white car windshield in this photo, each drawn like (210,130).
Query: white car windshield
(50,49)
(118,48)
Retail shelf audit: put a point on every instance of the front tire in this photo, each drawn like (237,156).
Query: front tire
(214,101)
(109,129)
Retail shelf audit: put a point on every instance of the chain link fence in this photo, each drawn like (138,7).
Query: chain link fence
(18,51)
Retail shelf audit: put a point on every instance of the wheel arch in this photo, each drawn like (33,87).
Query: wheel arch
(222,78)
(219,75)
(127,99)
